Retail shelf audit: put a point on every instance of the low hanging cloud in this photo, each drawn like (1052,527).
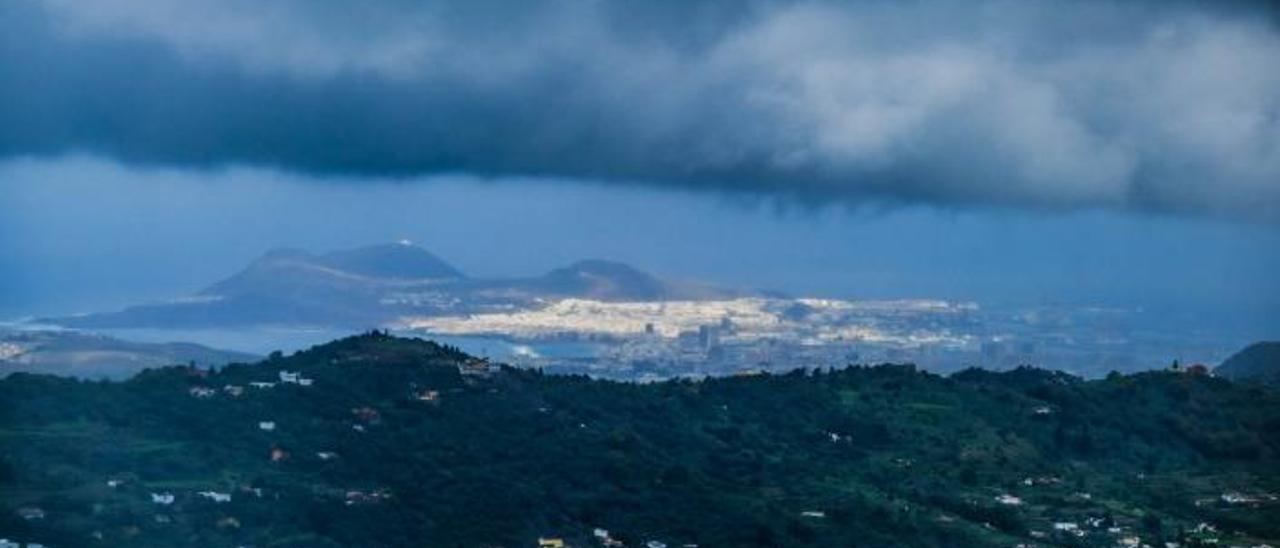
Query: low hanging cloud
(1168,107)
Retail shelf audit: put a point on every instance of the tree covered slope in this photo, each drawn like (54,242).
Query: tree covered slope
(384,441)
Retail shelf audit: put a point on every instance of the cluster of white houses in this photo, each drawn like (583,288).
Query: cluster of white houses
(285,377)
(295,377)
(167,498)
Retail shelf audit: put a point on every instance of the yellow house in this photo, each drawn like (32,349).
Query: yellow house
(550,542)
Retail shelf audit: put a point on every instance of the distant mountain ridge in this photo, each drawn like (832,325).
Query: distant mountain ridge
(1259,361)
(375,285)
(399,260)
(613,281)
(90,356)
(390,262)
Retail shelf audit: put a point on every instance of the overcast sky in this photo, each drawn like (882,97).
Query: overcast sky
(1086,151)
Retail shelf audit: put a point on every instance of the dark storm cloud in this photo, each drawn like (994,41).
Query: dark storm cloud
(1168,107)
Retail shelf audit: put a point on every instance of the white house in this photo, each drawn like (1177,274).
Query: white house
(266,425)
(1009,500)
(202,392)
(163,499)
(30,513)
(262,384)
(1237,498)
(1069,527)
(216,496)
(1203,527)
(287,377)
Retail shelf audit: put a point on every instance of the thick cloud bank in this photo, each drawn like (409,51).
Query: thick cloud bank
(1165,106)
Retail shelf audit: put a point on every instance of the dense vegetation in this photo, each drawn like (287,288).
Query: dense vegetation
(393,445)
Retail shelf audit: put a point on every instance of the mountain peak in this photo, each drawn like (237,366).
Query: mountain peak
(378,284)
(400,259)
(607,280)
(602,267)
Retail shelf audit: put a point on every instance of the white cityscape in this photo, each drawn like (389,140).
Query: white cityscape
(659,340)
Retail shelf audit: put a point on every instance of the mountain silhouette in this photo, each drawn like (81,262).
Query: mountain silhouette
(379,284)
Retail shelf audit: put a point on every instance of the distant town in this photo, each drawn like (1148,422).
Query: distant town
(649,341)
(594,317)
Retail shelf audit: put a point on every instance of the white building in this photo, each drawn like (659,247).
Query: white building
(202,392)
(1009,500)
(216,496)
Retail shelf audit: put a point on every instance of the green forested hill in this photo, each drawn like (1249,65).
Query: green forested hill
(391,445)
